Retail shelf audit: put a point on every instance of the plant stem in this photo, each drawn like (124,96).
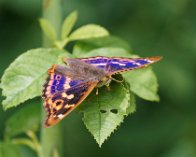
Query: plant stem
(51,138)
(52,12)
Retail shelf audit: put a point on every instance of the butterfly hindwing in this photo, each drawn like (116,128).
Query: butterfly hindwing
(62,103)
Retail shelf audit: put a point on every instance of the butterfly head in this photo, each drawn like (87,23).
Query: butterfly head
(105,81)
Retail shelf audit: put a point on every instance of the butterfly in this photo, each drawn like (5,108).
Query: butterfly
(67,86)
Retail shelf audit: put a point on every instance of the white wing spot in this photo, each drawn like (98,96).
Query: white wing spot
(121,64)
(60,116)
(135,63)
(70,96)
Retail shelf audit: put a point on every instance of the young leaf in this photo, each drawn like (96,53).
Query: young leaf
(27,118)
(105,111)
(48,29)
(24,78)
(88,31)
(143,82)
(84,46)
(8,149)
(68,24)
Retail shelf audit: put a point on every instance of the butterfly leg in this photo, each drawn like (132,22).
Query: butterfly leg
(108,87)
(97,91)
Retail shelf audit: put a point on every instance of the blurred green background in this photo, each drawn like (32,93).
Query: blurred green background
(154,27)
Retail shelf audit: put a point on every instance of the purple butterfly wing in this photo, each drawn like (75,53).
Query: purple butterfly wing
(62,94)
(114,65)
(57,82)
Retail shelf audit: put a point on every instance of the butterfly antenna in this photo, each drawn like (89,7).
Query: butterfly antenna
(119,81)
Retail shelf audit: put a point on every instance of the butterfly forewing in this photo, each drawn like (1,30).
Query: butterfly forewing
(62,94)
(54,83)
(60,78)
(114,65)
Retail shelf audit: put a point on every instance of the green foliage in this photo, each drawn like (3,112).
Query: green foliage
(88,31)
(143,82)
(24,78)
(7,149)
(31,121)
(48,29)
(31,141)
(106,51)
(163,27)
(68,24)
(105,111)
(84,46)
(132,107)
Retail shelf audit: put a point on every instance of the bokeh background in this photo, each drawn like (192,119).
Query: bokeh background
(151,27)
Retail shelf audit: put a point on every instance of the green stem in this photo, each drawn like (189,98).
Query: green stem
(52,12)
(51,138)
(31,142)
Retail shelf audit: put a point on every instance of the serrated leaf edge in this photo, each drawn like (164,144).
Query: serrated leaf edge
(124,115)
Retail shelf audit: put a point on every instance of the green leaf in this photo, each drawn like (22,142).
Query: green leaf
(8,149)
(68,24)
(27,118)
(109,41)
(88,31)
(105,51)
(132,103)
(132,107)
(143,82)
(48,29)
(24,78)
(105,111)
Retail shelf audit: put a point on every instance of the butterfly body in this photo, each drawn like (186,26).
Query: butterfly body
(67,86)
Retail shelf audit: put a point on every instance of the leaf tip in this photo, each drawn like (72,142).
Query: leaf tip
(75,13)
(48,29)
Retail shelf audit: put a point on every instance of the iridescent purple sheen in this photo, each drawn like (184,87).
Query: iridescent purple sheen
(109,65)
(113,65)
(58,85)
(74,82)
